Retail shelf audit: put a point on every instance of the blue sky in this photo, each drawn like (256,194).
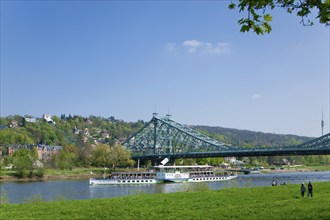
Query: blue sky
(188,58)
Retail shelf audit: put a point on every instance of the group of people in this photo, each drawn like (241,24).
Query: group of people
(274,183)
(303,189)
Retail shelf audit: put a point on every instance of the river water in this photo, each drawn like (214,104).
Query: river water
(20,192)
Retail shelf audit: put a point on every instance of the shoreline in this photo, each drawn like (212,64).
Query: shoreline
(7,178)
(269,171)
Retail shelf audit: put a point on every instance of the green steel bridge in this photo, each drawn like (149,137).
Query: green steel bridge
(163,138)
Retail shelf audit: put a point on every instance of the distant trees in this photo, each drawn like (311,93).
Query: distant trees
(84,157)
(14,136)
(67,157)
(67,130)
(214,161)
(250,139)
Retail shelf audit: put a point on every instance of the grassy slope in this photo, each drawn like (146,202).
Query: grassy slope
(281,202)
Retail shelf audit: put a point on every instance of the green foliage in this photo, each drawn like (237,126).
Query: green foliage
(120,156)
(84,158)
(39,171)
(14,136)
(281,202)
(23,162)
(259,21)
(213,161)
(2,165)
(67,157)
(250,139)
(105,130)
(114,156)
(101,155)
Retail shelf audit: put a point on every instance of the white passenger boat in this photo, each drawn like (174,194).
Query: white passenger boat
(197,173)
(122,178)
(163,174)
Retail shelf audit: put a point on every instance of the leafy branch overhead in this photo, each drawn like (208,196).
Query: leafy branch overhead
(259,20)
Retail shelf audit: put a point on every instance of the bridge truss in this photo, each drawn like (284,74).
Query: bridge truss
(162,137)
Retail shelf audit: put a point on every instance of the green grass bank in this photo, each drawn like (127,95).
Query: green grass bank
(280,202)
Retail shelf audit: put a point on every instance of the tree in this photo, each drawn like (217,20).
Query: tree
(120,156)
(67,157)
(23,160)
(259,21)
(14,136)
(101,155)
(85,155)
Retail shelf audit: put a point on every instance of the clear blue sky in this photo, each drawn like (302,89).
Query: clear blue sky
(129,59)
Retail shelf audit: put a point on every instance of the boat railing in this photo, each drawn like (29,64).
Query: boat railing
(129,177)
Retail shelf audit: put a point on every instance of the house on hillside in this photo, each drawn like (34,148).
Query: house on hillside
(48,118)
(13,124)
(46,151)
(76,130)
(31,120)
(14,147)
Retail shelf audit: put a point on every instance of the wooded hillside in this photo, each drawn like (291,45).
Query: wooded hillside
(80,130)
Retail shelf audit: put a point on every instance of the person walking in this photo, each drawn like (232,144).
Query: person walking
(310,189)
(302,189)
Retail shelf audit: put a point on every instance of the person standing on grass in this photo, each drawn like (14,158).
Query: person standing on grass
(310,189)
(302,189)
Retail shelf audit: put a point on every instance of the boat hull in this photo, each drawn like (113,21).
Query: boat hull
(93,181)
(211,179)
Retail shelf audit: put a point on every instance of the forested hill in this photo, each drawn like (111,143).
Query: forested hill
(250,139)
(65,130)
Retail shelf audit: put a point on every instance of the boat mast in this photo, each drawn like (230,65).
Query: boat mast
(138,164)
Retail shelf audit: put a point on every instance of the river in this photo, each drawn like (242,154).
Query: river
(20,192)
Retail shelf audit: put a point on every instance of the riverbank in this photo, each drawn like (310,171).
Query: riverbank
(86,173)
(285,202)
(52,174)
(7,178)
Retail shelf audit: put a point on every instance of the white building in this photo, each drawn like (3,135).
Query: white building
(48,118)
